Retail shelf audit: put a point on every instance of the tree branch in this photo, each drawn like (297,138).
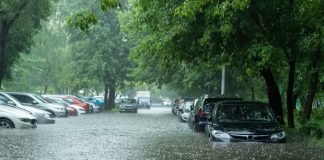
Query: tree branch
(18,13)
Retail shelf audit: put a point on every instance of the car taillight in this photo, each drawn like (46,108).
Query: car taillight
(201,113)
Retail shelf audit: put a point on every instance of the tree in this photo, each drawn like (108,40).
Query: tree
(19,21)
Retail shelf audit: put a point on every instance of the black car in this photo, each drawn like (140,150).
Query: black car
(242,121)
(202,107)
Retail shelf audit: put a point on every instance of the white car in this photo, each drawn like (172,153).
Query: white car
(43,117)
(166,103)
(185,111)
(15,118)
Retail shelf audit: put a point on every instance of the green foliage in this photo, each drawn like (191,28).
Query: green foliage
(318,114)
(311,129)
(19,20)
(82,20)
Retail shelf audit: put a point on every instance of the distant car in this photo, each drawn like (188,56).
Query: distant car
(94,108)
(43,117)
(167,103)
(15,118)
(184,112)
(128,104)
(71,111)
(98,101)
(198,114)
(37,101)
(239,121)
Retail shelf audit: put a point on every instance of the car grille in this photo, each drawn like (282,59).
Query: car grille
(240,137)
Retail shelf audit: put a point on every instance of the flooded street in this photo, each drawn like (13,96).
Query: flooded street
(149,134)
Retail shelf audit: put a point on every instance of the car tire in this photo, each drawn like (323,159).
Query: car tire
(52,113)
(196,127)
(6,123)
(211,138)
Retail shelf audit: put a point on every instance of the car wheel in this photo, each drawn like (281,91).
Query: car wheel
(196,127)
(6,123)
(211,138)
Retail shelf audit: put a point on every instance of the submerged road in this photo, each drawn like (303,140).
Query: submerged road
(148,134)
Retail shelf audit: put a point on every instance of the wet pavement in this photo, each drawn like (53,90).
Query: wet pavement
(148,134)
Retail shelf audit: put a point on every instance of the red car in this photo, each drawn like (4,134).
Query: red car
(72,111)
(78,102)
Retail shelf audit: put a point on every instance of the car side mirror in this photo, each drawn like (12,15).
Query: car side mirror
(34,102)
(11,103)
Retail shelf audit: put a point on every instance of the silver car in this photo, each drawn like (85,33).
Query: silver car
(15,118)
(128,104)
(43,117)
(36,101)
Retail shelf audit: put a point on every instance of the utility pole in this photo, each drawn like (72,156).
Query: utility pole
(223,82)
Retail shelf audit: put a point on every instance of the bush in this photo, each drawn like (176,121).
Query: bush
(311,129)
(318,114)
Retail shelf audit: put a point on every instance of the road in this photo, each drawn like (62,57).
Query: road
(149,134)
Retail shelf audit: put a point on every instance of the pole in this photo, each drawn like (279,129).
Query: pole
(223,82)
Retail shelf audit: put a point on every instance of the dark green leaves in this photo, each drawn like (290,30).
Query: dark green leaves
(82,20)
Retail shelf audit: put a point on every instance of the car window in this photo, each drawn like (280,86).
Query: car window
(23,98)
(4,99)
(227,113)
(39,98)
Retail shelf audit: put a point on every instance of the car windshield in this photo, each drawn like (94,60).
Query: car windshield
(187,106)
(40,98)
(144,99)
(128,101)
(228,113)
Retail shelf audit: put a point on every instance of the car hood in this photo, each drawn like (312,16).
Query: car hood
(249,127)
(17,112)
(52,105)
(34,110)
(76,106)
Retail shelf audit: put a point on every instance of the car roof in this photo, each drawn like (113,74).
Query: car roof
(216,99)
(241,103)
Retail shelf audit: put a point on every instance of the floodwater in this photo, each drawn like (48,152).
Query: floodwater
(148,134)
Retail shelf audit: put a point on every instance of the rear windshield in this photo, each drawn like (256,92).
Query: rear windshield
(227,113)
(128,101)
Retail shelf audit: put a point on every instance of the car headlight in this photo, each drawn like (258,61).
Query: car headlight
(279,135)
(24,119)
(47,116)
(220,134)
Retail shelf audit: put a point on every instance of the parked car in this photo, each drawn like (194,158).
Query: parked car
(15,118)
(43,117)
(36,101)
(98,101)
(71,111)
(239,121)
(184,112)
(91,101)
(128,104)
(69,103)
(198,113)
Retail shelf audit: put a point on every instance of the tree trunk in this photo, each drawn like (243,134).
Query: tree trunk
(289,94)
(3,35)
(252,93)
(106,97)
(111,102)
(313,81)
(310,95)
(274,97)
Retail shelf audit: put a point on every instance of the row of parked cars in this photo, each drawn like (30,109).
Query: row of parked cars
(230,119)
(26,110)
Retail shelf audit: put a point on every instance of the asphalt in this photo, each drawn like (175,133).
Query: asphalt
(149,134)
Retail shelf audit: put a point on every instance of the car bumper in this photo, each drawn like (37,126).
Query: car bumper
(25,125)
(127,109)
(60,113)
(45,120)
(184,117)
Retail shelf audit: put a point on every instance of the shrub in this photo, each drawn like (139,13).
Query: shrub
(311,129)
(318,114)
